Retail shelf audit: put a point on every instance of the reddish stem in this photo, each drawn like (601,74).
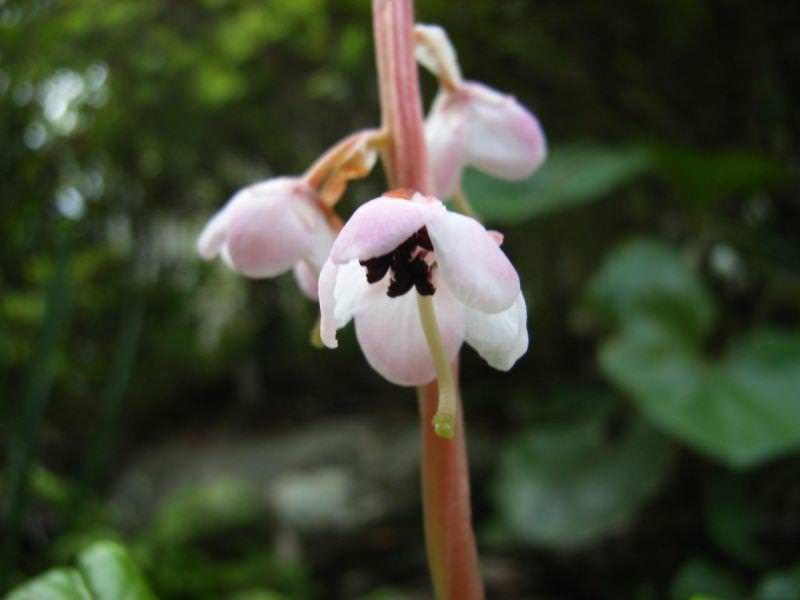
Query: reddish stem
(452,553)
(405,158)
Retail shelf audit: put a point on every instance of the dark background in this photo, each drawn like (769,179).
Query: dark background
(645,446)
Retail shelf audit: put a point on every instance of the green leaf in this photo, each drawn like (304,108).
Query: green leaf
(56,584)
(699,578)
(647,277)
(569,486)
(111,573)
(105,572)
(710,176)
(571,176)
(743,409)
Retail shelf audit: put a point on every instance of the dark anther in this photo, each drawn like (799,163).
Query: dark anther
(377,267)
(407,264)
(423,239)
(400,284)
(420,274)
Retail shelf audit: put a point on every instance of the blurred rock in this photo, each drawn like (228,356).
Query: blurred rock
(334,476)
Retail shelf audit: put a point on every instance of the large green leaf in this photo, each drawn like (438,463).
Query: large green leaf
(647,277)
(571,176)
(576,174)
(110,573)
(56,584)
(743,409)
(709,176)
(105,571)
(566,487)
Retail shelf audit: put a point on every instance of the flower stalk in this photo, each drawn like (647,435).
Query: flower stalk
(452,553)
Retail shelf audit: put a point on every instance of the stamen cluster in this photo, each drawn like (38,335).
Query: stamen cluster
(408,264)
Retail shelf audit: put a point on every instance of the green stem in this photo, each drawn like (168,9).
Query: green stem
(113,394)
(36,393)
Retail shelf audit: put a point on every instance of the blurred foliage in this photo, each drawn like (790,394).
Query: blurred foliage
(743,408)
(105,571)
(646,446)
(566,487)
(571,176)
(700,578)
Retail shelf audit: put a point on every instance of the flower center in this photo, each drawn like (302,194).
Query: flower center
(408,264)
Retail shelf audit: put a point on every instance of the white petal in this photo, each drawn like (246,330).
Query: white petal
(342,292)
(326,287)
(472,264)
(381,225)
(502,338)
(390,334)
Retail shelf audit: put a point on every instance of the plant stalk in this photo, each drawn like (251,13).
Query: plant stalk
(450,540)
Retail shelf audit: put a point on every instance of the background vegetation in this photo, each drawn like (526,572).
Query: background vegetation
(165,421)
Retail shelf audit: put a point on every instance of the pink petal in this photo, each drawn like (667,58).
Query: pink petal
(390,334)
(342,292)
(472,264)
(502,338)
(502,137)
(379,226)
(497,237)
(271,226)
(322,241)
(306,279)
(212,238)
(445,136)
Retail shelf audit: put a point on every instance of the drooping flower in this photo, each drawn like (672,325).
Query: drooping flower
(287,223)
(471,124)
(270,227)
(402,252)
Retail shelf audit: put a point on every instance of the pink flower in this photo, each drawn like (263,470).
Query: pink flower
(476,126)
(473,125)
(270,227)
(393,251)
